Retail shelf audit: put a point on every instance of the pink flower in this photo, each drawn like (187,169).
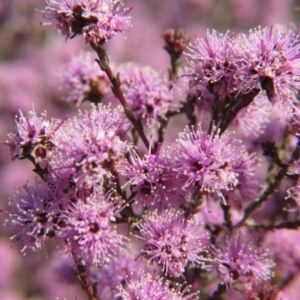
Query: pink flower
(147,93)
(172,241)
(216,64)
(35,215)
(209,163)
(91,146)
(33,138)
(89,233)
(272,63)
(83,80)
(239,259)
(97,20)
(145,286)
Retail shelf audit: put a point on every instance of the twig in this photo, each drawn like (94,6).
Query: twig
(286,224)
(264,197)
(226,214)
(218,293)
(116,88)
(271,188)
(83,279)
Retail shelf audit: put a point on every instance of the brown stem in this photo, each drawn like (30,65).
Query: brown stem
(189,107)
(219,292)
(83,279)
(163,126)
(264,197)
(235,106)
(227,217)
(116,87)
(286,224)
(271,188)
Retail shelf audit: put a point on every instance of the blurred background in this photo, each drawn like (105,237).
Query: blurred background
(31,56)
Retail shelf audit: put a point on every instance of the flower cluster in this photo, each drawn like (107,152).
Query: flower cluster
(89,232)
(229,65)
(165,186)
(97,20)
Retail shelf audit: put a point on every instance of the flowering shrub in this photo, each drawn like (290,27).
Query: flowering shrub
(164,186)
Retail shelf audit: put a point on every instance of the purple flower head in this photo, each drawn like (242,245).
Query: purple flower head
(216,63)
(83,80)
(97,20)
(172,241)
(108,277)
(272,63)
(148,179)
(35,215)
(239,259)
(93,145)
(145,286)
(89,231)
(211,163)
(33,138)
(147,93)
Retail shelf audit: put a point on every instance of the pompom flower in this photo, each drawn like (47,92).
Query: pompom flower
(239,259)
(92,145)
(35,215)
(145,286)
(215,63)
(172,241)
(149,180)
(211,163)
(83,80)
(33,138)
(89,233)
(147,93)
(109,276)
(97,20)
(272,57)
